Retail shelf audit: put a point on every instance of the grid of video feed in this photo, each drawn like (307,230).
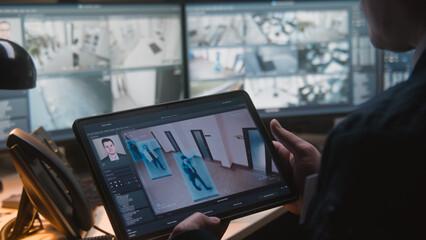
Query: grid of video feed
(284,56)
(94,59)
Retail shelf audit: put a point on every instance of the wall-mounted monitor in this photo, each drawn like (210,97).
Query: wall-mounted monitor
(293,57)
(91,59)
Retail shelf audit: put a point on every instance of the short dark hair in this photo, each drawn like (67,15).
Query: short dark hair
(107,140)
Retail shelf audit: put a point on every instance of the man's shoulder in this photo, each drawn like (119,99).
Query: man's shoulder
(400,108)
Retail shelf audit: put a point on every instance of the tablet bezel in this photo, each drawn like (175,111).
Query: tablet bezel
(108,201)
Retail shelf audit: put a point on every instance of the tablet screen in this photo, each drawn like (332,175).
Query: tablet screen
(157,165)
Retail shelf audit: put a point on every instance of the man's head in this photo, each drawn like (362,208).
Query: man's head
(5,30)
(109,146)
(397,25)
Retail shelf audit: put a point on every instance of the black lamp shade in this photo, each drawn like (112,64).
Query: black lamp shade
(17,70)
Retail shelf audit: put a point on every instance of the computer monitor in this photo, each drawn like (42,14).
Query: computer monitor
(91,59)
(294,58)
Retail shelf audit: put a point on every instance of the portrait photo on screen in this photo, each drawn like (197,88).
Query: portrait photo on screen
(111,152)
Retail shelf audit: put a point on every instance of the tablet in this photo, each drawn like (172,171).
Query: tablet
(154,166)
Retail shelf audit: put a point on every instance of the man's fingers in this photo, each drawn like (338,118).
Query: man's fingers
(292,142)
(281,150)
(285,156)
(200,221)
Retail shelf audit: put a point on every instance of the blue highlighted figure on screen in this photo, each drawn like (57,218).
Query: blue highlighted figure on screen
(192,174)
(196,176)
(136,154)
(153,158)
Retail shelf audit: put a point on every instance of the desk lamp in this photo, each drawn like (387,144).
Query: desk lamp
(17,70)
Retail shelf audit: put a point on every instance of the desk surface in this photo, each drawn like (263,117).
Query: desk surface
(238,228)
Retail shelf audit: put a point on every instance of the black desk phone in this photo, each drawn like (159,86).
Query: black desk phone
(49,188)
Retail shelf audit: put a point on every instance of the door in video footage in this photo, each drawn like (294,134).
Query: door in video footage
(202,144)
(172,141)
(257,156)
